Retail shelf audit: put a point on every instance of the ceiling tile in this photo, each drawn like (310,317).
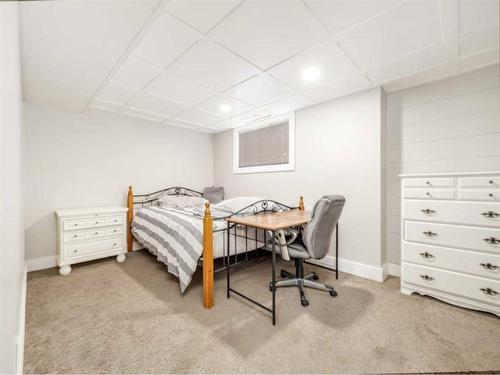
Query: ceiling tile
(338,15)
(135,73)
(349,86)
(173,122)
(478,41)
(166,40)
(268,32)
(201,14)
(213,66)
(475,14)
(116,93)
(243,119)
(197,117)
(287,105)
(422,59)
(174,87)
(403,29)
(104,105)
(260,90)
(224,106)
(331,61)
(156,104)
(146,115)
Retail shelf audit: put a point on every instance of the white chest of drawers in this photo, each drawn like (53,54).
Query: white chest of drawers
(450,234)
(90,233)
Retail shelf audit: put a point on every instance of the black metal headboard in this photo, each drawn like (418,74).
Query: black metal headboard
(149,199)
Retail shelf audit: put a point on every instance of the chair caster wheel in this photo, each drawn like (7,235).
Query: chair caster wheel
(283,274)
(315,277)
(304,302)
(333,293)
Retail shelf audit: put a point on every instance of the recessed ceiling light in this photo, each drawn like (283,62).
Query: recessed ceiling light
(311,73)
(225,108)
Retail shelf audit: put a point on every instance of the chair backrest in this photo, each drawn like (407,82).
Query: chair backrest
(324,217)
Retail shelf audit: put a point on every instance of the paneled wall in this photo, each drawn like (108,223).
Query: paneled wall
(446,126)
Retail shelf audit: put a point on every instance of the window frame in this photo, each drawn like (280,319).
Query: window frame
(290,166)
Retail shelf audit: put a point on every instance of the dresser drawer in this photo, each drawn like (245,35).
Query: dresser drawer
(476,182)
(429,193)
(430,182)
(475,213)
(492,195)
(114,230)
(474,238)
(478,288)
(114,220)
(74,236)
(481,264)
(96,233)
(76,251)
(74,224)
(96,222)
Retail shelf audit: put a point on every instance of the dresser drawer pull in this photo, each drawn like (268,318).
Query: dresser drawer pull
(427,255)
(492,240)
(489,291)
(115,244)
(428,182)
(427,277)
(428,211)
(96,233)
(431,234)
(490,214)
(490,194)
(75,235)
(489,266)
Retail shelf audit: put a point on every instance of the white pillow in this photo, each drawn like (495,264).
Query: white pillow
(236,204)
(180,201)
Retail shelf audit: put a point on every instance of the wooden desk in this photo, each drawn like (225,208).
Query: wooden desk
(272,221)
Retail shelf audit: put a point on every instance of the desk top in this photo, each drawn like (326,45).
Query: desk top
(273,220)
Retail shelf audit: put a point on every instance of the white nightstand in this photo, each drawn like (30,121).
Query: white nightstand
(85,234)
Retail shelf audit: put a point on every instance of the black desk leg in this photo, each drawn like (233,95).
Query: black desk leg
(274,277)
(228,266)
(337,251)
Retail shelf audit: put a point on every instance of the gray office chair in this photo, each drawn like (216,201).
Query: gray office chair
(314,243)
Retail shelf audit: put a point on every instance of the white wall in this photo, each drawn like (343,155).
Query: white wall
(12,263)
(90,159)
(338,150)
(447,126)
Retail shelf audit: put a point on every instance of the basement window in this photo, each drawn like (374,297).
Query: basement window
(267,146)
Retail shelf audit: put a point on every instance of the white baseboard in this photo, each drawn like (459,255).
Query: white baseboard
(358,269)
(393,269)
(22,323)
(42,263)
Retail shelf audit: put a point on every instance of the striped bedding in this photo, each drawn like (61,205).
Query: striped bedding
(175,236)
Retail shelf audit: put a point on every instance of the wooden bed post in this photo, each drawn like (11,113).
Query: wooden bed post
(208,259)
(130,216)
(301,203)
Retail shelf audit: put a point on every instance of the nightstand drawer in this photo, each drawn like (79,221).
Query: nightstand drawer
(478,182)
(472,262)
(478,288)
(492,195)
(429,193)
(76,251)
(74,224)
(464,237)
(430,182)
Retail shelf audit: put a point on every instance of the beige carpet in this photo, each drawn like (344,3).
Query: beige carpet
(107,317)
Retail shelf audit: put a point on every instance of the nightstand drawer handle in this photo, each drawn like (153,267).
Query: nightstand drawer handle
(492,240)
(489,291)
(430,234)
(489,266)
(427,277)
(427,255)
(428,211)
(490,214)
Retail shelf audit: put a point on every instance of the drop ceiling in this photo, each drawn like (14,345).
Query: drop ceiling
(213,65)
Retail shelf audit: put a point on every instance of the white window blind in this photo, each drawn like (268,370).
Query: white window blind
(264,146)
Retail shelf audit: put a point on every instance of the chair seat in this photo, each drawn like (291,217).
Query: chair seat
(297,249)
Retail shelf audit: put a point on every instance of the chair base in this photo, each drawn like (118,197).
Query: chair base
(301,281)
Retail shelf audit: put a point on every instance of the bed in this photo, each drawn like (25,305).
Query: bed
(187,236)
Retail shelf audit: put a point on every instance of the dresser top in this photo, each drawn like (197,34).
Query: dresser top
(90,211)
(451,174)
